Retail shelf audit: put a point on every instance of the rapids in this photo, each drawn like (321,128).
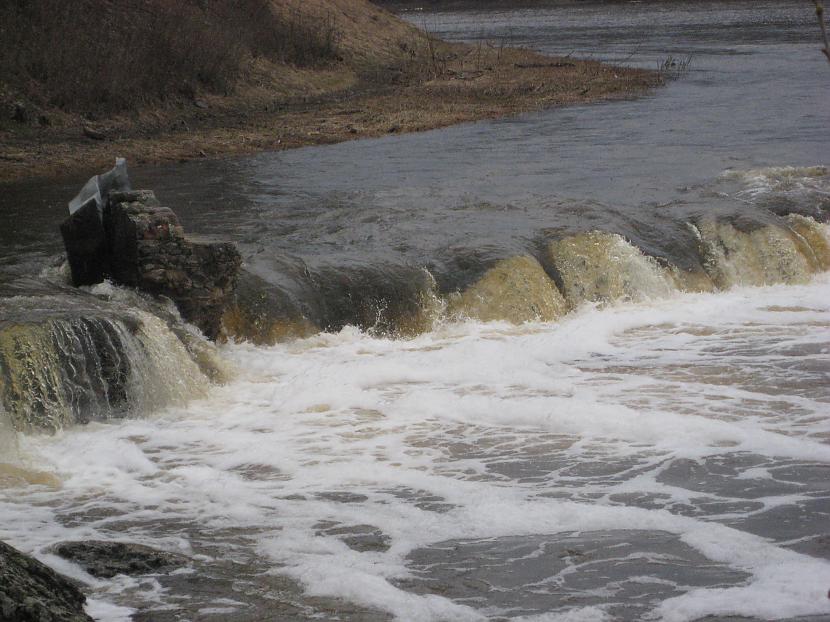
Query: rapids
(569,366)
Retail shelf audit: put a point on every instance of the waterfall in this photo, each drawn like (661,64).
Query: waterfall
(74,369)
(604,267)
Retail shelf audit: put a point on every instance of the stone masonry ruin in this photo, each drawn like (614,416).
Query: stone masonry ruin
(127,236)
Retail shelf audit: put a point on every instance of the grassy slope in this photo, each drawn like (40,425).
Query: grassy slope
(387,76)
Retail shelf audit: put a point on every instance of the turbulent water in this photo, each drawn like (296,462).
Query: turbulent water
(573,366)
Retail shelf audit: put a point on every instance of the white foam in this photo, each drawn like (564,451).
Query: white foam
(581,614)
(780,179)
(103,611)
(398,421)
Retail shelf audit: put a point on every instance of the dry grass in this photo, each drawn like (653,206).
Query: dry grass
(387,77)
(103,56)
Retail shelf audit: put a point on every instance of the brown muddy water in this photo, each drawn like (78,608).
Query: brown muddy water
(572,365)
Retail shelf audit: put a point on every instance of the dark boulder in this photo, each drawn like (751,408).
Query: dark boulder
(33,592)
(108,559)
(86,244)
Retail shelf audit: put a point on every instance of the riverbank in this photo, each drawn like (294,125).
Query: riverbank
(387,77)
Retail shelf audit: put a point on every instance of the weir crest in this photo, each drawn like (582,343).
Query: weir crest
(72,356)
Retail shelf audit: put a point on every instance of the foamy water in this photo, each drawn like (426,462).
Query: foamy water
(644,455)
(380,471)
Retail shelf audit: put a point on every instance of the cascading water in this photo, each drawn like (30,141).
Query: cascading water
(603,267)
(93,364)
(812,241)
(590,267)
(8,438)
(516,290)
(109,362)
(570,366)
(764,256)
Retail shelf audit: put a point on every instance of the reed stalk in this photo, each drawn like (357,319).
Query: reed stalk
(820,16)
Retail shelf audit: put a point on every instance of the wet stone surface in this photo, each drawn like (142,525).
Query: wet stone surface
(32,592)
(343,497)
(108,559)
(360,538)
(421,499)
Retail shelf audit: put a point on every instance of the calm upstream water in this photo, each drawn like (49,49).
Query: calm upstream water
(662,456)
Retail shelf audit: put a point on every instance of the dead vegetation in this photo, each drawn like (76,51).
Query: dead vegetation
(823,27)
(308,72)
(104,56)
(673,67)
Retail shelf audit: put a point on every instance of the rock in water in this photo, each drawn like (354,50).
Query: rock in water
(148,250)
(33,592)
(115,232)
(86,244)
(108,559)
(139,243)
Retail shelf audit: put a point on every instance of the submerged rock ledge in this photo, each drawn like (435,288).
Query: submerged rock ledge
(565,271)
(71,355)
(105,560)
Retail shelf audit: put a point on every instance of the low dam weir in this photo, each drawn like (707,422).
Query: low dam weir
(69,357)
(568,366)
(93,361)
(556,276)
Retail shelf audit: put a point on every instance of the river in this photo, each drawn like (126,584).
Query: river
(659,452)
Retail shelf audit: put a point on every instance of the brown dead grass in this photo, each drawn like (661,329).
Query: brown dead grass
(391,78)
(98,57)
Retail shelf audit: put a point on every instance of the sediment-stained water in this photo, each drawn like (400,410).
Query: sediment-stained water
(662,460)
(569,366)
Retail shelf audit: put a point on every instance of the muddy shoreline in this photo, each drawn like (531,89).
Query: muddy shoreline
(472,84)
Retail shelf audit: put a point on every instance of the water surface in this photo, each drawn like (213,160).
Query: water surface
(659,459)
